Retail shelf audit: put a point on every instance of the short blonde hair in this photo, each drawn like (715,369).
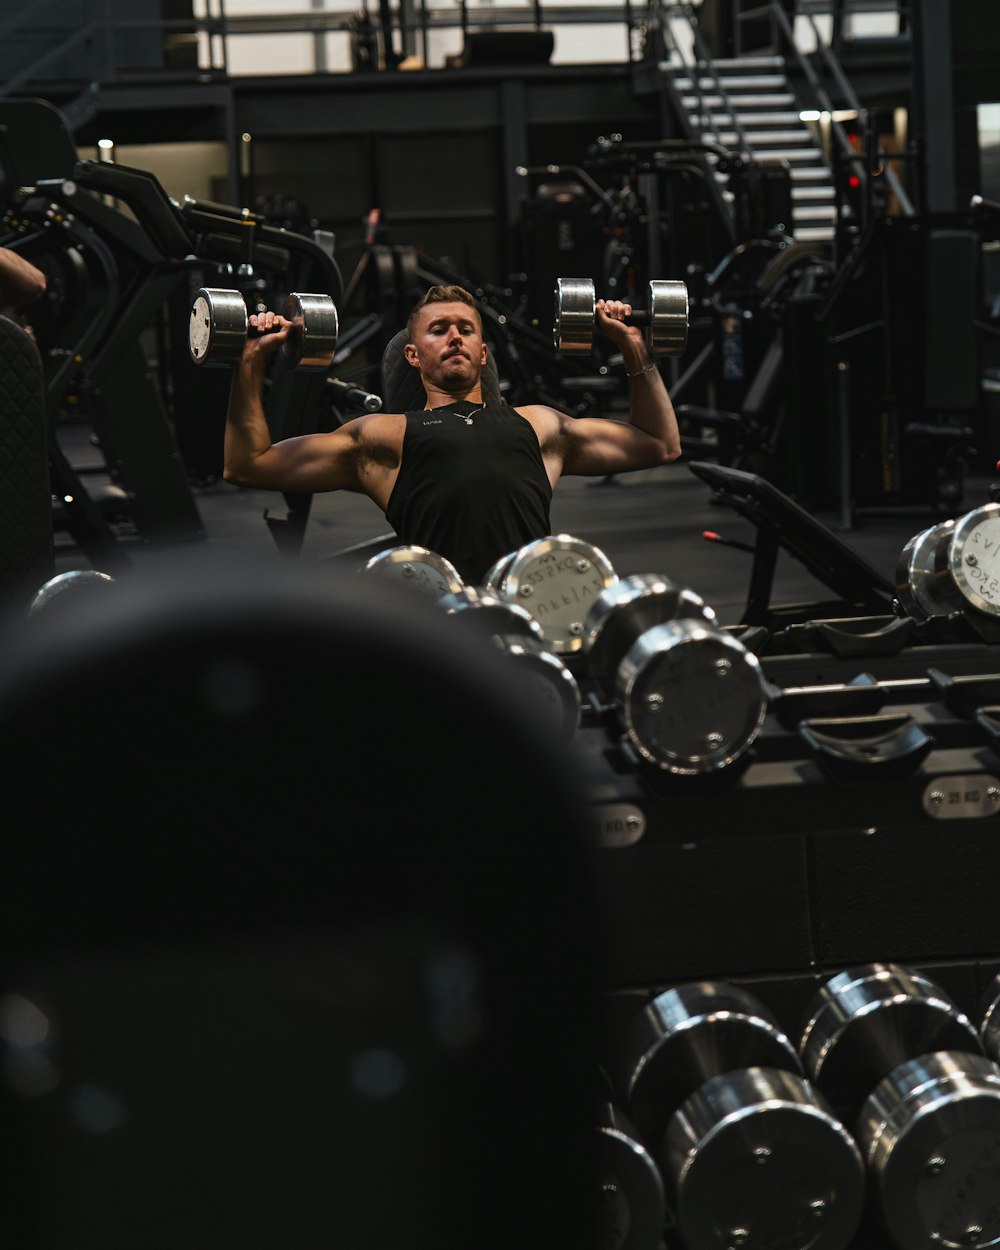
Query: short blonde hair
(449,293)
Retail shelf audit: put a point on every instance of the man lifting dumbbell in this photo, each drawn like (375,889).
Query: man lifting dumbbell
(468,480)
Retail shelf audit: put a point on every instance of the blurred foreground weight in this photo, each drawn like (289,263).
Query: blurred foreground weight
(220,324)
(66,590)
(548,687)
(666,318)
(480,610)
(545,685)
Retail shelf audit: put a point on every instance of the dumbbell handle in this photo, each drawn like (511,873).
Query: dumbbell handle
(637,317)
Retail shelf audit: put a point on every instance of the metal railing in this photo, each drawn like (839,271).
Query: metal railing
(822,73)
(694,54)
(94,47)
(846,151)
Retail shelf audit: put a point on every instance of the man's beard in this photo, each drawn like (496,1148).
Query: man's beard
(452,378)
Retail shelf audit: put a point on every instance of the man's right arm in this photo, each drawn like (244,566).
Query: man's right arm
(302,465)
(21,283)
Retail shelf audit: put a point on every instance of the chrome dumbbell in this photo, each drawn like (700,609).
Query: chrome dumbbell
(220,324)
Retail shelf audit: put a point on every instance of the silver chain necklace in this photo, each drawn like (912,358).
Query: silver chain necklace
(466,416)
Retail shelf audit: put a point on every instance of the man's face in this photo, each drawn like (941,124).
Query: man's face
(447,345)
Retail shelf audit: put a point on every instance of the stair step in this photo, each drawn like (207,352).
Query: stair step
(766,138)
(816,212)
(772,82)
(749,65)
(749,62)
(759,145)
(813,233)
(748,120)
(775,100)
(752,95)
(794,156)
(811,173)
(802,195)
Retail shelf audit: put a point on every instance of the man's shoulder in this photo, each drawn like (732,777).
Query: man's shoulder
(538,410)
(375,427)
(373,421)
(541,416)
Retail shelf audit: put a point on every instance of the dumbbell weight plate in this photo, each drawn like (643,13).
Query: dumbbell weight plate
(930,1136)
(921,592)
(669,314)
(573,315)
(546,683)
(989,1029)
(418,569)
(627,609)
(865,1021)
(218,328)
(968,556)
(314,341)
(68,589)
(630,1209)
(498,571)
(556,579)
(756,1156)
(693,699)
(685,1035)
(488,614)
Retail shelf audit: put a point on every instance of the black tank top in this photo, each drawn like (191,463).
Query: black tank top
(471,486)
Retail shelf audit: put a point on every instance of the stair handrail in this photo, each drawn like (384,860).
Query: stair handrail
(846,148)
(843,82)
(664,11)
(703,63)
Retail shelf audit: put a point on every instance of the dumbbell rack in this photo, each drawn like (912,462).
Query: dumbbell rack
(862,825)
(769,837)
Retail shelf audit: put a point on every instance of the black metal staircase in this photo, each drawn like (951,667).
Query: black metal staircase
(748,105)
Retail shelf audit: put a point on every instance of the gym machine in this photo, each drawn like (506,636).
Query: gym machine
(900,328)
(756,370)
(106,279)
(26,538)
(117,280)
